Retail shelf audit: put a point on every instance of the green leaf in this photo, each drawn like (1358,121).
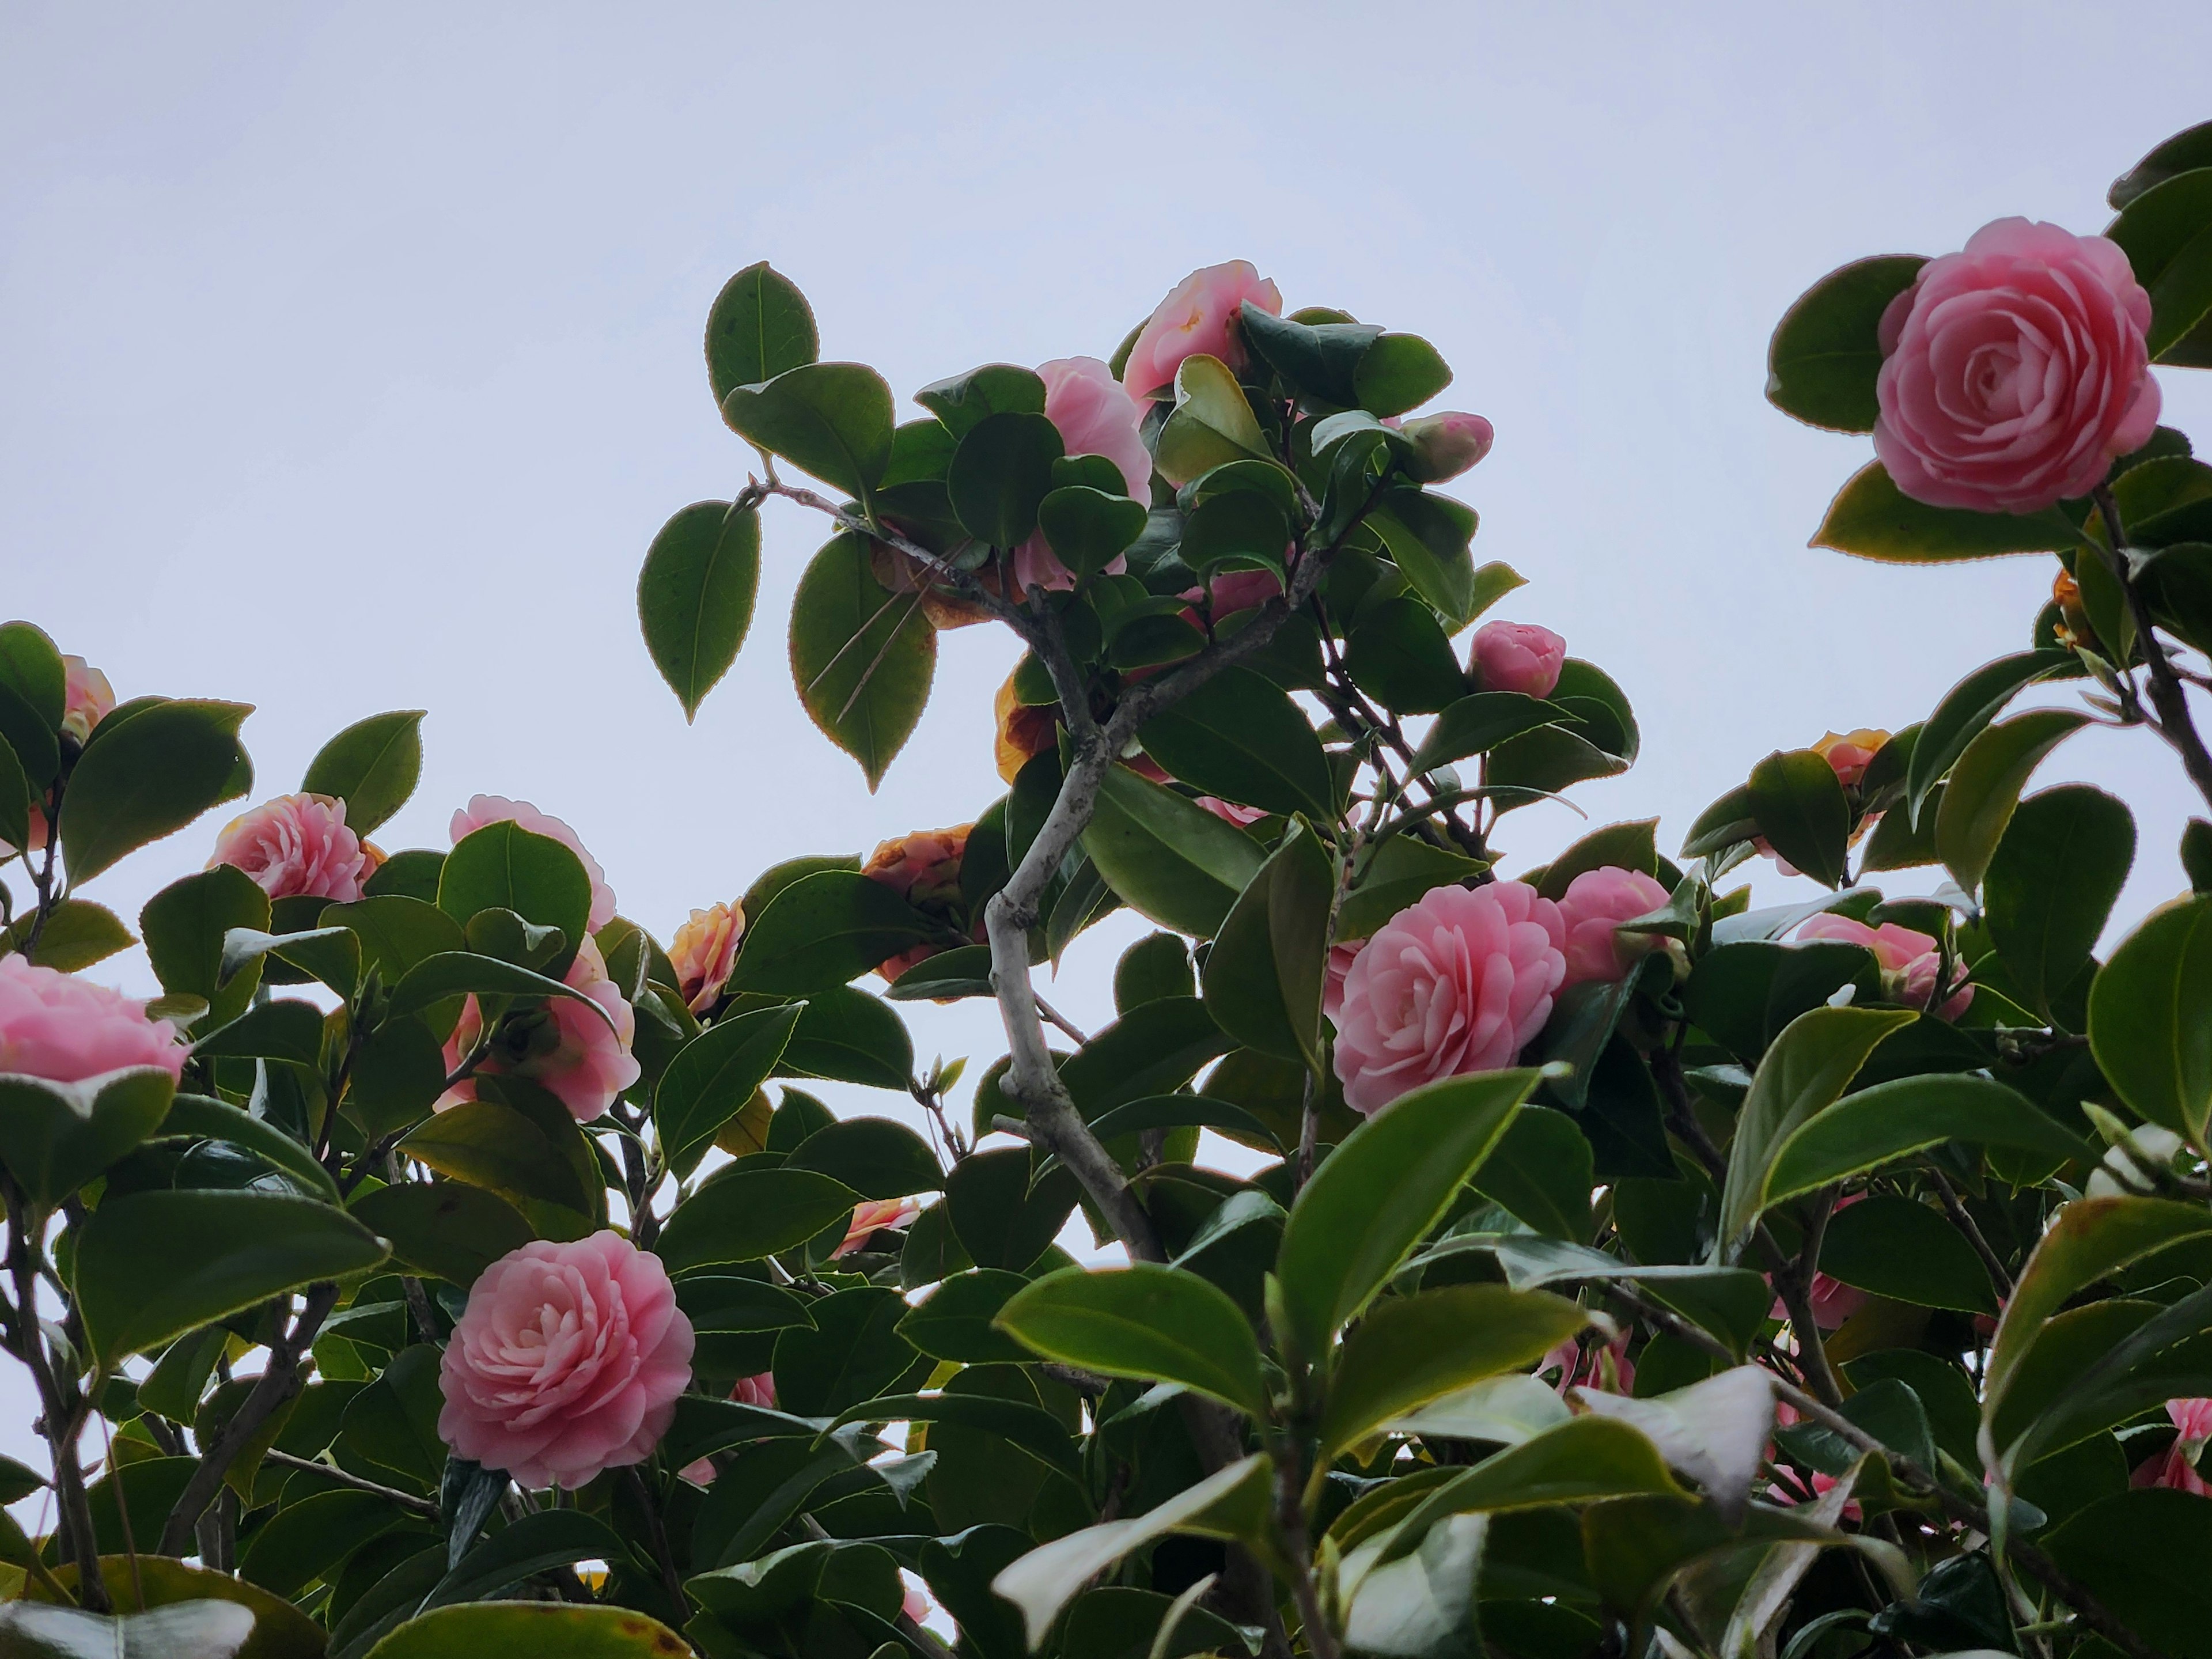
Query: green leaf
(1984,786)
(1900,1249)
(2051,883)
(1317,360)
(1088,528)
(954,1320)
(694,596)
(15,804)
(1212,424)
(217,1120)
(1240,737)
(1379,1193)
(1168,858)
(527,1544)
(711,1079)
(1237,529)
(759,326)
(1412,1350)
(1633,845)
(153,1264)
(1397,373)
(32,667)
(1801,810)
(1822,362)
(446,1229)
(395,933)
(331,954)
(1861,1131)
(2137,1552)
(2150,1018)
(1966,709)
(30,738)
(1000,474)
(999,1215)
(1398,655)
(833,420)
(147,778)
(490,1144)
(877,1157)
(372,766)
(184,925)
(1807,1069)
(77,934)
(1265,973)
(1873,519)
(1033,1429)
(743,1214)
(1478,723)
(862,656)
(1427,537)
(822,931)
(2088,1240)
(1145,1322)
(188,1630)
(2189,148)
(541,1629)
(458,973)
(1582,1461)
(1542,1172)
(1156,966)
(2166,233)
(504,866)
(1397,874)
(54,1137)
(965,401)
(849,1037)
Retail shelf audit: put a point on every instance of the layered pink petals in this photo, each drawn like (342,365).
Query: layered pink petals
(877,1215)
(1596,903)
(498,809)
(567,1362)
(64,1029)
(87,697)
(2013,372)
(1096,416)
(1456,982)
(1518,657)
(703,951)
(1197,319)
(2176,1467)
(297,846)
(1909,960)
(565,1049)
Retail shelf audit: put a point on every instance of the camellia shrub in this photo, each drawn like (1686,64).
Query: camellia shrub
(444,1264)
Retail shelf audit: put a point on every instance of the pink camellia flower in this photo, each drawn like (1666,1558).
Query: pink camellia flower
(703,951)
(567,1362)
(1447,445)
(297,846)
(1518,657)
(1230,812)
(757,1390)
(924,869)
(498,809)
(564,1048)
(1096,416)
(1851,752)
(914,1604)
(1341,956)
(1909,961)
(35,837)
(1456,982)
(2015,371)
(1238,590)
(877,1215)
(64,1029)
(1597,901)
(1607,1369)
(87,697)
(1197,319)
(2176,1467)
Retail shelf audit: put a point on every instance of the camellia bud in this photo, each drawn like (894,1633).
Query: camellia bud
(1447,445)
(2073,617)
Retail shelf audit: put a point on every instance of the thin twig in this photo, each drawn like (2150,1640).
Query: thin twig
(1965,1223)
(408,1501)
(1067,1027)
(2174,722)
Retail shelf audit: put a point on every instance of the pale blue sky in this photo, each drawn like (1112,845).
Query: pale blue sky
(350,354)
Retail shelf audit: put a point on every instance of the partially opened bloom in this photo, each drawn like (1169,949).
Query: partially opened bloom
(1455,982)
(1518,657)
(566,1362)
(2015,371)
(1197,319)
(2176,1467)
(482,809)
(1850,753)
(1909,959)
(87,697)
(565,1047)
(1594,905)
(703,951)
(1448,444)
(924,869)
(64,1029)
(297,846)
(1096,416)
(877,1215)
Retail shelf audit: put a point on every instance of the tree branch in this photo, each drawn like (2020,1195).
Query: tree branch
(336,1476)
(60,1415)
(2174,722)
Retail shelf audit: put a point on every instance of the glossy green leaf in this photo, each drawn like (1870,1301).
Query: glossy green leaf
(1582,1461)
(2052,885)
(504,866)
(29,736)
(1966,710)
(149,777)
(877,1157)
(2150,1017)
(2137,1554)
(54,1137)
(1265,973)
(1804,1072)
(184,925)
(2166,233)
(1212,424)
(1398,655)
(1239,736)
(1001,472)
(1864,1131)
(847,1036)
(15,804)
(330,955)
(965,401)
(1476,724)
(862,656)
(822,931)
(1396,874)
(1398,373)
(1873,519)
(1088,528)
(998,1214)
(833,420)
(218,1120)
(528,1544)
(32,667)
(1630,846)
(488,1143)
(1147,1321)
(2189,148)
(1542,1172)
(1412,1350)
(759,326)
(711,1079)
(187,1630)
(1985,786)
(695,593)
(372,766)
(544,1629)
(1900,1249)
(457,973)
(954,1320)
(1168,858)
(1822,362)
(743,1214)
(446,1229)
(153,1264)
(1379,1193)
(77,934)
(1801,810)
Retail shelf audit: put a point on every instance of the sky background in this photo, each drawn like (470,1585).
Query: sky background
(350,355)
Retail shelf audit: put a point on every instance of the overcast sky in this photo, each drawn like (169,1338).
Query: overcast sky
(349,354)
